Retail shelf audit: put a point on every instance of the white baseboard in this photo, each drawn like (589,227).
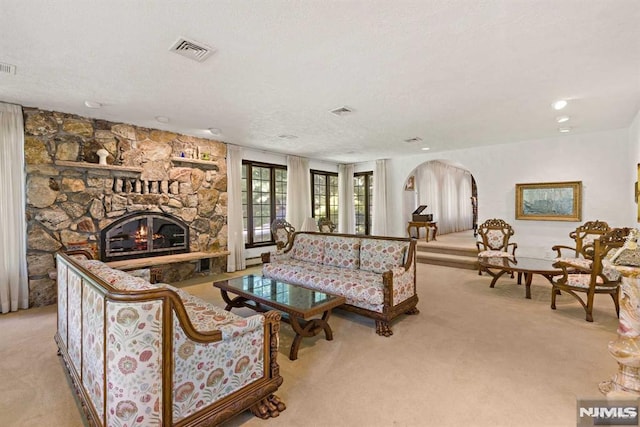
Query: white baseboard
(253,261)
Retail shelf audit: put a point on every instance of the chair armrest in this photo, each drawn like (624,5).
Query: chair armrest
(268,257)
(566,266)
(560,248)
(513,251)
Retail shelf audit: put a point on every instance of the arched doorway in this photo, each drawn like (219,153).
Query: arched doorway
(448,190)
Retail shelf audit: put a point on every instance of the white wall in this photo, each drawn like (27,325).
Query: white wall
(602,162)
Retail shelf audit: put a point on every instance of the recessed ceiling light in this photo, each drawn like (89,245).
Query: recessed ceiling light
(559,105)
(564,130)
(92,104)
(425,148)
(562,119)
(214,131)
(162,119)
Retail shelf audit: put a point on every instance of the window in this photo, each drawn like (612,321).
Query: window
(264,198)
(362,196)
(324,194)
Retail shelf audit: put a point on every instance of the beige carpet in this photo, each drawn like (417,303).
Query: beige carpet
(474,356)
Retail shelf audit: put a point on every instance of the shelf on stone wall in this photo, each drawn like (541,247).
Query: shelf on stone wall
(208,163)
(86,165)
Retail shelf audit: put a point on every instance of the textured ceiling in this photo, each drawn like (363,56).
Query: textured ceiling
(455,73)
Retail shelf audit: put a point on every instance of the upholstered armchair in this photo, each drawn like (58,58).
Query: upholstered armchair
(584,237)
(493,242)
(325,225)
(493,239)
(589,277)
(282,233)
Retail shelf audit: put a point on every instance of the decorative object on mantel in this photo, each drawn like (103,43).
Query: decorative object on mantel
(102,154)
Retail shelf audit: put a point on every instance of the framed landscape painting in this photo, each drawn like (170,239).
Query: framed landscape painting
(549,201)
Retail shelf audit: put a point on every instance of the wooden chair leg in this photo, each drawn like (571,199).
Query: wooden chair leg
(589,307)
(616,302)
(554,292)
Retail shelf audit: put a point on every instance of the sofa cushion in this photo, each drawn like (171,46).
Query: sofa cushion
(309,248)
(379,255)
(356,286)
(340,251)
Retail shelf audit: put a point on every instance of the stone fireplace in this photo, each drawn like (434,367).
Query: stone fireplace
(72,199)
(144,234)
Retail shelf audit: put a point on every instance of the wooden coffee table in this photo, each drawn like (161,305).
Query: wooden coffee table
(298,303)
(521,265)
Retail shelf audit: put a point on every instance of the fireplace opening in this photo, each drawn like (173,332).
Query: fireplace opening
(144,234)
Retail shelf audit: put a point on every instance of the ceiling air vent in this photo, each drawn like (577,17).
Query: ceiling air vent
(7,68)
(341,111)
(191,49)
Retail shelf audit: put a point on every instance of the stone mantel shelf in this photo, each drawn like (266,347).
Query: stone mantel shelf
(195,161)
(86,165)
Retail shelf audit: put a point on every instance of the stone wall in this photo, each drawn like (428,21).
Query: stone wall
(70,198)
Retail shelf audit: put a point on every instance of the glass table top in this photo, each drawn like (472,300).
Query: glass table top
(521,264)
(278,292)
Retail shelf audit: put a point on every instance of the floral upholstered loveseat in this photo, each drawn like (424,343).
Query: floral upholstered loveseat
(376,275)
(142,354)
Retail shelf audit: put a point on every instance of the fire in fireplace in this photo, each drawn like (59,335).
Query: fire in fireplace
(144,234)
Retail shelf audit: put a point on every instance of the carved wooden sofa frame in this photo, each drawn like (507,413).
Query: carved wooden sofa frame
(395,282)
(90,309)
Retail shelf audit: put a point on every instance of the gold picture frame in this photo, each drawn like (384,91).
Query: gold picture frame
(549,201)
(411,184)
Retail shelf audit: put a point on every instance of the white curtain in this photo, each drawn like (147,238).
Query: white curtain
(298,191)
(14,281)
(235,240)
(347,212)
(379,226)
(446,190)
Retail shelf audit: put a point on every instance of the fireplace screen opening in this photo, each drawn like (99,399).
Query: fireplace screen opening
(144,235)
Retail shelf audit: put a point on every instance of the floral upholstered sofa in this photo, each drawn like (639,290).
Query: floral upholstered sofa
(142,354)
(376,275)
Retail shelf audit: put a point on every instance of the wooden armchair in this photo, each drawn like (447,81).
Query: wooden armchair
(282,233)
(325,225)
(493,241)
(591,278)
(584,237)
